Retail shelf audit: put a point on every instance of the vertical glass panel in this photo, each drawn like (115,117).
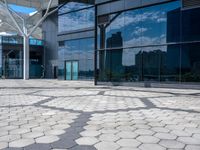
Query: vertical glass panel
(101,63)
(169,63)
(61,70)
(190,25)
(170,22)
(190,62)
(115,31)
(151,25)
(131,62)
(68,70)
(74,70)
(113,68)
(133,28)
(150,63)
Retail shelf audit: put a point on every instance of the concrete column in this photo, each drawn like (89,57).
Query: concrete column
(26,58)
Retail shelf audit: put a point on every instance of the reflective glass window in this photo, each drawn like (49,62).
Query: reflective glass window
(115,31)
(72,6)
(169,64)
(161,21)
(150,63)
(190,25)
(190,62)
(133,28)
(76,20)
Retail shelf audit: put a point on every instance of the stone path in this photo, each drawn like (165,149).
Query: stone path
(60,115)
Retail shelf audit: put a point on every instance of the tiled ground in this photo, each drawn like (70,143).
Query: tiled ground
(60,115)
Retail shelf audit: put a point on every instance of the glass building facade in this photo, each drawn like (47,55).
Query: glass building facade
(11,57)
(157,43)
(117,41)
(76,47)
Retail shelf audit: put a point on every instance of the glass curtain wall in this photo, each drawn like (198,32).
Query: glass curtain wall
(75,16)
(80,50)
(146,45)
(76,54)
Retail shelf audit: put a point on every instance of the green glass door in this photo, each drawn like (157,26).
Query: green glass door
(74,70)
(71,70)
(68,70)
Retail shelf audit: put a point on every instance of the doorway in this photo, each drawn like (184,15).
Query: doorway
(71,70)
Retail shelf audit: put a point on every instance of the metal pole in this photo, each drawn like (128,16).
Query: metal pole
(26,58)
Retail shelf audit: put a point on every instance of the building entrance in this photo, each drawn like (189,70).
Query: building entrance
(71,70)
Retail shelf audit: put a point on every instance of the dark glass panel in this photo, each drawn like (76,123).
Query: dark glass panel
(131,62)
(61,70)
(150,63)
(115,31)
(190,62)
(190,25)
(119,65)
(170,63)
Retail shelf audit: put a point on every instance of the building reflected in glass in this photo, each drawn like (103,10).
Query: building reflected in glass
(157,43)
(150,41)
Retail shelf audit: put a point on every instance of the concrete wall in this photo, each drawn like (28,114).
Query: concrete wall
(50,31)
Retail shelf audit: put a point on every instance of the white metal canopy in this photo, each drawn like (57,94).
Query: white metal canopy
(24,24)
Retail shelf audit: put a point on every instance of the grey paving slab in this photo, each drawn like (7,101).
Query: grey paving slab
(58,115)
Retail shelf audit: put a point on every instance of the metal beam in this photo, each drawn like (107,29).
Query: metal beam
(42,19)
(24,32)
(26,58)
(13,19)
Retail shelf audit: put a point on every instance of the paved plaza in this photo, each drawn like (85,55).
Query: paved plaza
(61,115)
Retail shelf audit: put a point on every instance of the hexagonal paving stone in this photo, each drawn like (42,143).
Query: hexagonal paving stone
(192,147)
(129,148)
(148,139)
(172,144)
(33,134)
(144,132)
(47,139)
(107,146)
(92,127)
(8,128)
(128,143)
(109,131)
(87,141)
(151,147)
(189,140)
(197,136)
(60,126)
(3,145)
(127,134)
(181,133)
(8,138)
(160,129)
(165,136)
(108,137)
(90,133)
(2,133)
(20,131)
(54,132)
(21,143)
